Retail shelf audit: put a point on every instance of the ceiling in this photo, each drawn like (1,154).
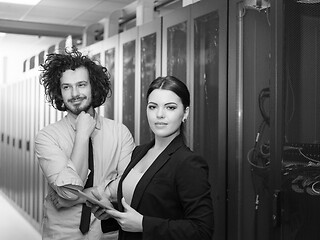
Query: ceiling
(49,21)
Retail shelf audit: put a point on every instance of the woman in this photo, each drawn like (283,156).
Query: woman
(164,192)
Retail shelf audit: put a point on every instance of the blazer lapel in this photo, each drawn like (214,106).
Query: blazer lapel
(154,168)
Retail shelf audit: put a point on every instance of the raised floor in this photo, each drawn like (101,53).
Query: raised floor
(13,225)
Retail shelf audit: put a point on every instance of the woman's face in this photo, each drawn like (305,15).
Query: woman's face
(165,113)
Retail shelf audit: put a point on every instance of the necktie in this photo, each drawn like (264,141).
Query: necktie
(86,212)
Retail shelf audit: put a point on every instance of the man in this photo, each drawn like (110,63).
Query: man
(76,84)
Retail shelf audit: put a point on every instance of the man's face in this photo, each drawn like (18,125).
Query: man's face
(76,90)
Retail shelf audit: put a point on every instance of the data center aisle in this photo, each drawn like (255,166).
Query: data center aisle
(13,226)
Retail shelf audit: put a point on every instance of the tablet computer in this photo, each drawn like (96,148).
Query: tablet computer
(88,198)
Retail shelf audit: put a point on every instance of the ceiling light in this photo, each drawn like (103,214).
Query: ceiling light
(24,2)
(308,1)
(2,35)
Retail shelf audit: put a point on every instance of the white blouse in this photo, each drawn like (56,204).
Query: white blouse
(129,184)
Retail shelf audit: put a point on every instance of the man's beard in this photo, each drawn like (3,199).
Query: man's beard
(78,109)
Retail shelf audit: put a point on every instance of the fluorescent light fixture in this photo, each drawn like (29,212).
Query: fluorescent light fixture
(24,2)
(308,1)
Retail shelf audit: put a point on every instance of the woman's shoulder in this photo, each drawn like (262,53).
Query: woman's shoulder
(186,151)
(185,154)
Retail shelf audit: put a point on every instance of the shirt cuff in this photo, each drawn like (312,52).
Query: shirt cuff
(68,176)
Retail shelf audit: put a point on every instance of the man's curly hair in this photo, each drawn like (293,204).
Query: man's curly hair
(56,64)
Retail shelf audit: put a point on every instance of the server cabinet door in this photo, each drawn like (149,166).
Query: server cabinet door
(19,142)
(46,121)
(38,173)
(14,158)
(208,86)
(12,174)
(32,162)
(176,50)
(24,162)
(300,185)
(149,65)
(110,57)
(128,49)
(29,160)
(42,123)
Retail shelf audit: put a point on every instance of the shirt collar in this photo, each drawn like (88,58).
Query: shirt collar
(72,120)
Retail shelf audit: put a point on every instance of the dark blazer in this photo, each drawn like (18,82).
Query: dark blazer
(173,195)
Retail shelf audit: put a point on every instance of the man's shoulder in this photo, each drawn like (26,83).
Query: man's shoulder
(52,127)
(114,128)
(107,122)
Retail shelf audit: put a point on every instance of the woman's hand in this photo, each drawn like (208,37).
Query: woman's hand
(129,220)
(99,212)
